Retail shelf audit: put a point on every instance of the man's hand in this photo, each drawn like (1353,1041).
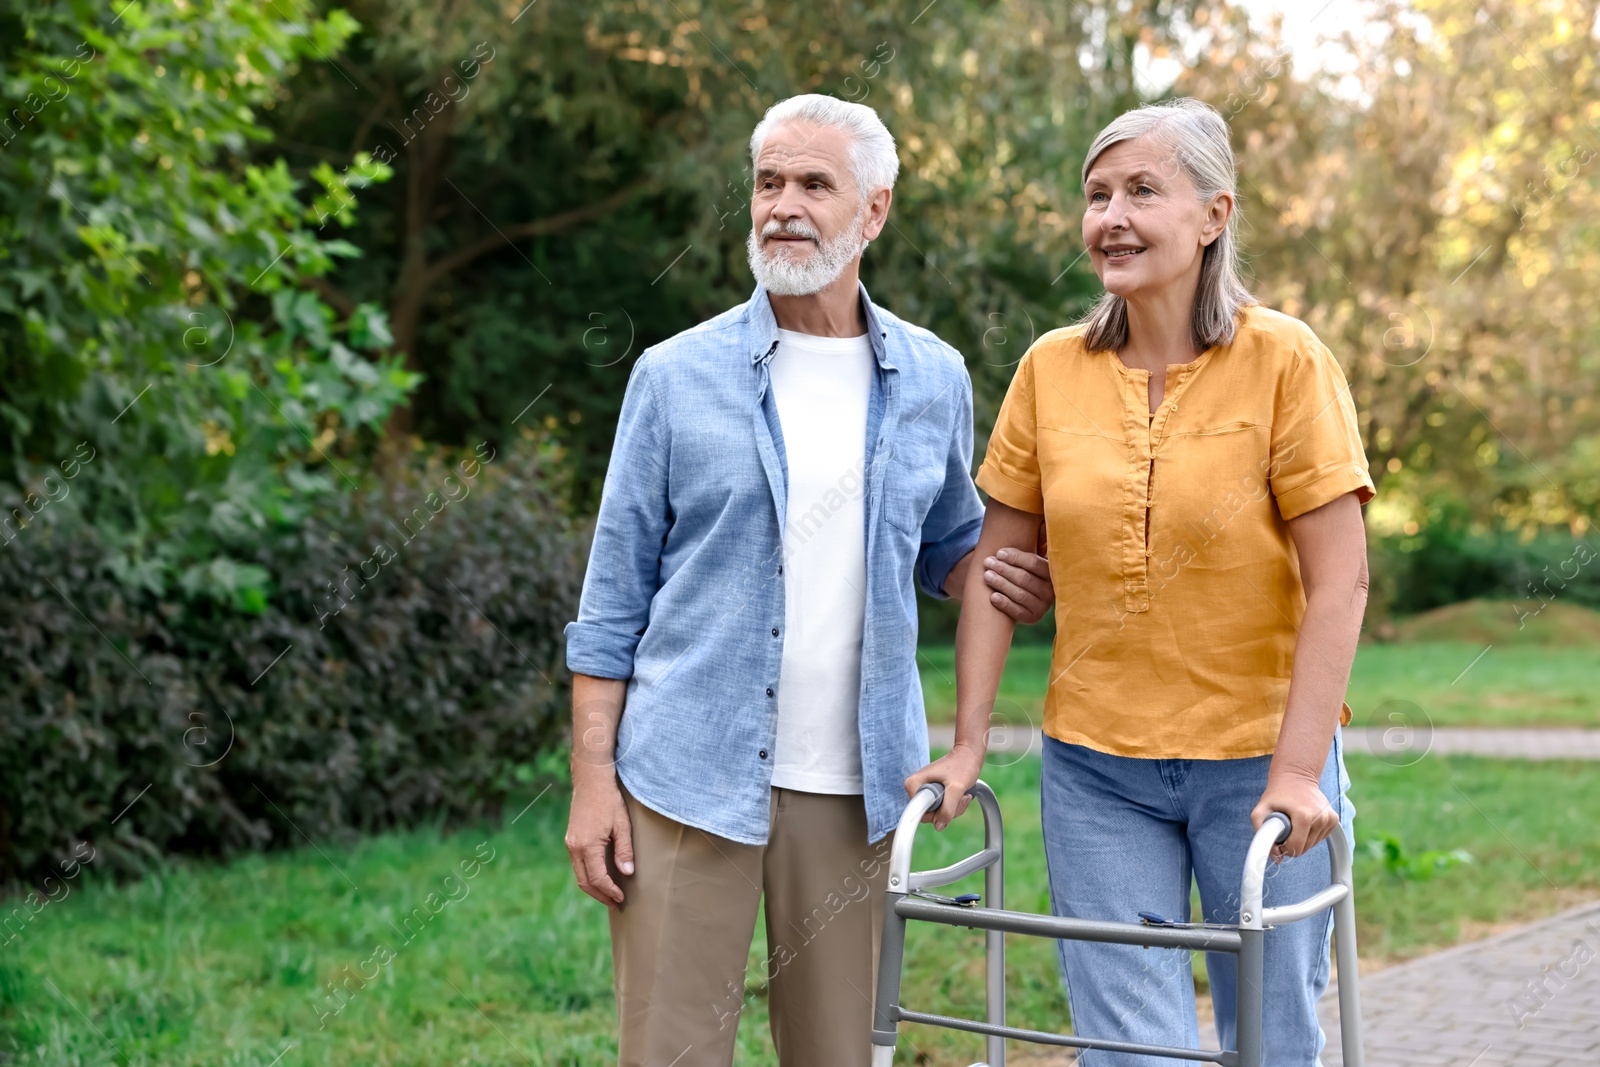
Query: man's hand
(599,818)
(1019,582)
(957,770)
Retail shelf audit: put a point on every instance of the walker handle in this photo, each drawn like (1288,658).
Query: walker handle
(1288,828)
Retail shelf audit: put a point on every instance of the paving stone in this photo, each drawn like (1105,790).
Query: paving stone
(1472,1005)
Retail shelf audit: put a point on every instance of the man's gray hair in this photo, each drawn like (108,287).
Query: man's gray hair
(873,162)
(1196,135)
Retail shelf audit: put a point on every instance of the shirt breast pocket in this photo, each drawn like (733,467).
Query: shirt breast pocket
(909,490)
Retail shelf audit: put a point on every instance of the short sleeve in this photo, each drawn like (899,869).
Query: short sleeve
(1010,471)
(1317,455)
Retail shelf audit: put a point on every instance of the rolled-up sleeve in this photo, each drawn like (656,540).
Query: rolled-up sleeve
(1317,455)
(954,521)
(1010,471)
(625,560)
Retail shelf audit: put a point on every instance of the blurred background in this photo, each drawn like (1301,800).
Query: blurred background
(314,325)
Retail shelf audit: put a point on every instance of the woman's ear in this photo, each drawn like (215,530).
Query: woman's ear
(1218,211)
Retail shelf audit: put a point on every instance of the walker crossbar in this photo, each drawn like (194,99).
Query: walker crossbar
(1245,940)
(1041,1037)
(1026,922)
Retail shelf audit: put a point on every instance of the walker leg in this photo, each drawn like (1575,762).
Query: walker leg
(886,1001)
(994,887)
(1344,950)
(1252,964)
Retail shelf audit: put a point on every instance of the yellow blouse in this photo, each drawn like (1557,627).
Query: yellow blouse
(1178,592)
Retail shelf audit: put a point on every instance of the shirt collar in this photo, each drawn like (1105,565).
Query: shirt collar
(764,327)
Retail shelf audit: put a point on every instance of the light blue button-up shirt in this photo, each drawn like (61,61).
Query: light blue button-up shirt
(684,594)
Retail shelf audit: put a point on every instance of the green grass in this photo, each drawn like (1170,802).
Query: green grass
(1510,685)
(228,965)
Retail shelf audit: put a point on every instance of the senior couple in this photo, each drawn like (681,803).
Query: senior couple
(747,715)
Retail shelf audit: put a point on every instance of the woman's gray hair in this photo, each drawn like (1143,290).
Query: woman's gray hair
(873,161)
(1196,135)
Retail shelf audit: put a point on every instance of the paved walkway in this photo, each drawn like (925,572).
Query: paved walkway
(1529,997)
(1393,745)
(1526,998)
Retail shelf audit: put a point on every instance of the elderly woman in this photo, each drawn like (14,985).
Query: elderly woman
(1195,460)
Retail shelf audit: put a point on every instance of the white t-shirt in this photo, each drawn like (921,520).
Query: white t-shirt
(822,385)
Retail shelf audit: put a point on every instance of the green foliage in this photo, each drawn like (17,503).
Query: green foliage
(405,664)
(579,189)
(155,303)
(1451,558)
(1415,866)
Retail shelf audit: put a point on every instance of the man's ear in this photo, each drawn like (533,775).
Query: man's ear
(877,213)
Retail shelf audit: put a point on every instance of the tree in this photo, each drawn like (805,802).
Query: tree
(1433,219)
(170,373)
(573,180)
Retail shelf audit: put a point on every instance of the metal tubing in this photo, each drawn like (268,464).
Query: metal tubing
(1273,830)
(1340,895)
(926,799)
(891,959)
(1248,1000)
(994,888)
(1293,913)
(1041,1037)
(1344,951)
(956,871)
(1024,922)
(1247,941)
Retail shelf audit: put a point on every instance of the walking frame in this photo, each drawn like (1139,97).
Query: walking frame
(906,901)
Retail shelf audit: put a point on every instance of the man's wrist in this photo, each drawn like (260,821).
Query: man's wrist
(587,777)
(956,579)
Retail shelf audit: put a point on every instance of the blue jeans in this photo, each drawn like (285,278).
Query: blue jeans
(1124,835)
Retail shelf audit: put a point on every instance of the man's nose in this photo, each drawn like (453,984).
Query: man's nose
(790,203)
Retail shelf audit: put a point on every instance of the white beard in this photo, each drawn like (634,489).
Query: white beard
(783,276)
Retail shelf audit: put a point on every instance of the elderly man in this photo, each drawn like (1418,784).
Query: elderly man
(746,704)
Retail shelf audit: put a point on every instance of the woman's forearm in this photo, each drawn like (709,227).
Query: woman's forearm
(1323,654)
(983,634)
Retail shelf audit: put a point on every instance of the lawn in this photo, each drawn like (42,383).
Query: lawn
(238,964)
(1467,665)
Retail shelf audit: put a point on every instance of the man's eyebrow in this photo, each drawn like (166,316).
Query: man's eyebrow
(769,171)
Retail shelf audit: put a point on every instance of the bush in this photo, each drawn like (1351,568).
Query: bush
(146,725)
(1447,561)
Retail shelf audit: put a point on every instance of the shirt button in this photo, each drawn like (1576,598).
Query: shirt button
(774,631)
(780,568)
(763,753)
(769,691)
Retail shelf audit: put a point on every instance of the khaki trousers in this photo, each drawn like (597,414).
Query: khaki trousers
(680,943)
